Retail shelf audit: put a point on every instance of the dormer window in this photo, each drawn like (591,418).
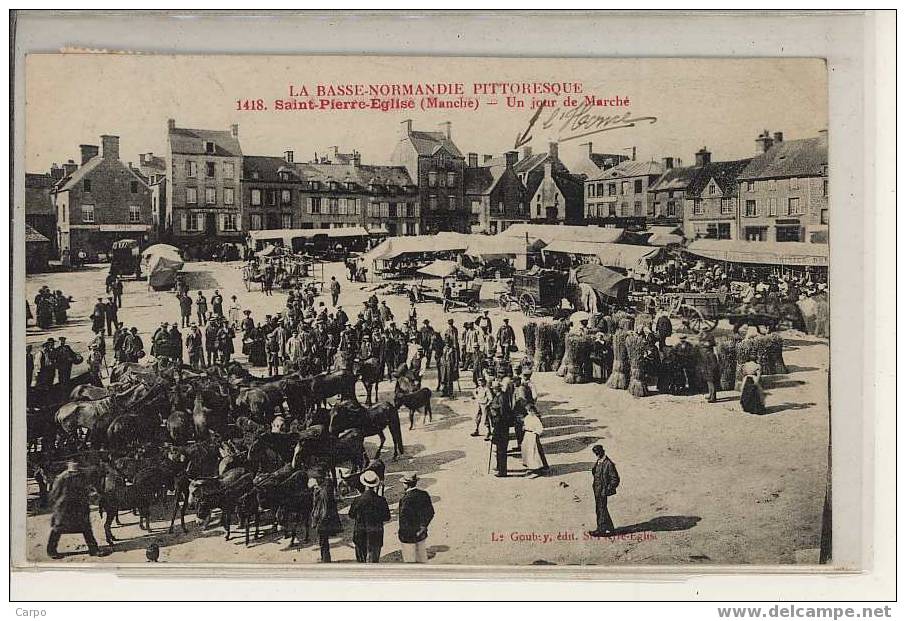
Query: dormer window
(333,185)
(350,185)
(209,147)
(284,176)
(254,174)
(315,185)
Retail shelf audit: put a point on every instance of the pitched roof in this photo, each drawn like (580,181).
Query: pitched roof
(607,160)
(266,166)
(675,179)
(549,233)
(192,142)
(37,194)
(725,174)
(67,183)
(630,168)
(429,143)
(31,235)
(483,179)
(806,157)
(571,187)
(38,181)
(363,175)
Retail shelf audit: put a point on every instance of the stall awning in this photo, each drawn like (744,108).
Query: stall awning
(603,279)
(440,269)
(288,235)
(416,244)
(549,233)
(487,246)
(623,256)
(760,253)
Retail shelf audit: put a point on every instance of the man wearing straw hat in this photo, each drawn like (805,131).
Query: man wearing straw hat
(415,514)
(369,512)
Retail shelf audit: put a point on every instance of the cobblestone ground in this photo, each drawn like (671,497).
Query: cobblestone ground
(701,483)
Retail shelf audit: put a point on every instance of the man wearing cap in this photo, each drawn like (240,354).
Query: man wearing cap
(415,514)
(426,341)
(47,368)
(369,512)
(201,309)
(506,337)
(709,366)
(452,334)
(484,322)
(334,291)
(71,512)
(684,354)
(133,347)
(501,415)
(605,480)
(194,346)
(65,357)
(110,315)
(483,397)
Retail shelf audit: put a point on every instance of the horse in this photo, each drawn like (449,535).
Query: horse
(285,492)
(370,372)
(417,400)
(371,421)
(226,492)
(180,428)
(115,495)
(260,402)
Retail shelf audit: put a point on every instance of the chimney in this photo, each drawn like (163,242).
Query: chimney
(526,152)
(778,137)
(511,158)
(702,157)
(486,158)
(288,156)
(589,145)
(70,167)
(668,163)
(633,154)
(88,152)
(407,127)
(473,160)
(553,149)
(356,158)
(764,141)
(56,172)
(448,128)
(234,130)
(110,147)
(171,124)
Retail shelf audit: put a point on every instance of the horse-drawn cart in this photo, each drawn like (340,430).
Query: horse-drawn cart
(535,292)
(699,311)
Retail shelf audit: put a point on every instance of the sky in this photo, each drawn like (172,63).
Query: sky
(723,104)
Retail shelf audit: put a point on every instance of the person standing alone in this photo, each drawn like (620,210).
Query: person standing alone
(605,480)
(369,511)
(415,514)
(334,291)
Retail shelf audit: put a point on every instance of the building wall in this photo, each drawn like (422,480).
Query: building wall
(443,216)
(178,182)
(609,198)
(272,212)
(711,216)
(772,199)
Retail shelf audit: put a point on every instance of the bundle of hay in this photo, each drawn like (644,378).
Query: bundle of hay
(529,331)
(635,351)
(577,361)
(643,320)
(745,352)
(619,377)
(627,323)
(561,329)
(545,335)
(598,323)
(726,358)
(770,355)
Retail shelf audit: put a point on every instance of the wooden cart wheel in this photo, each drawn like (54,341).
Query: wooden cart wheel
(708,324)
(527,303)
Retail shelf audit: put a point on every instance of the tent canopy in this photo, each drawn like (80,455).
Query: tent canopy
(756,252)
(394,247)
(607,281)
(163,250)
(549,233)
(268,251)
(440,269)
(486,246)
(623,256)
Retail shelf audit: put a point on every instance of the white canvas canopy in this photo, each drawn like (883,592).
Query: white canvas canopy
(624,256)
(394,247)
(440,269)
(161,262)
(757,252)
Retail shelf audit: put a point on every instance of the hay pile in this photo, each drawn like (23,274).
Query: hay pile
(529,331)
(635,350)
(726,357)
(619,377)
(545,337)
(577,361)
(766,350)
(561,329)
(643,320)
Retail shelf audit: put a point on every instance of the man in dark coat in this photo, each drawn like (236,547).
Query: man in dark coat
(110,315)
(426,340)
(201,308)
(709,368)
(47,368)
(97,316)
(210,342)
(506,337)
(415,514)
(502,419)
(325,519)
(65,357)
(176,344)
(71,512)
(334,291)
(133,347)
(369,512)
(225,343)
(160,341)
(605,480)
(185,309)
(29,365)
(217,303)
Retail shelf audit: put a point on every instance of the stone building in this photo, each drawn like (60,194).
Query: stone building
(495,195)
(436,165)
(40,213)
(783,191)
(619,196)
(99,202)
(203,187)
(154,168)
(711,198)
(553,194)
(591,164)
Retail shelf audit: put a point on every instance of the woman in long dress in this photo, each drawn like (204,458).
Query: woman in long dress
(752,396)
(533,457)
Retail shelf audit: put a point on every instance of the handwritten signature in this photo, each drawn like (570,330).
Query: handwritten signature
(578,122)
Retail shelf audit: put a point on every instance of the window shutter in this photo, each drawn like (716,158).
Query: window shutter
(238,221)
(183,220)
(310,201)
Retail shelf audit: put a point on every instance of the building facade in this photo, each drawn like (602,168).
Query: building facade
(154,168)
(494,193)
(783,191)
(203,185)
(591,164)
(436,166)
(620,196)
(101,201)
(40,213)
(711,199)
(553,194)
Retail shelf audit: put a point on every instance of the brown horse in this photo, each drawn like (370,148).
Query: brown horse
(371,421)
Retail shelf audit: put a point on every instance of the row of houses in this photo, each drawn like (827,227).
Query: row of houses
(205,189)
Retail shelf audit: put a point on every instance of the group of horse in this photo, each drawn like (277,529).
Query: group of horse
(218,438)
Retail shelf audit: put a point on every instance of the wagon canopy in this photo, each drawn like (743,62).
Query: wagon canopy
(623,256)
(161,262)
(603,279)
(756,252)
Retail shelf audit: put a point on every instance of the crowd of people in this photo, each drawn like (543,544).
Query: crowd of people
(51,308)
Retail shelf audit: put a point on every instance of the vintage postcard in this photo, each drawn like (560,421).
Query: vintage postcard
(406,310)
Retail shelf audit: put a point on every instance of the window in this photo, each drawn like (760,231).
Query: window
(824,188)
(255,223)
(824,216)
(228,170)
(726,206)
(591,190)
(772,206)
(355,206)
(229,222)
(638,186)
(671,209)
(255,174)
(191,168)
(341,209)
(256,198)
(442,180)
(452,202)
(272,197)
(228,196)
(451,179)
(88,213)
(287,221)
(385,210)
(314,205)
(654,208)
(611,209)
(624,187)
(432,203)
(789,234)
(751,208)
(193,221)
(756,233)
(432,179)
(637,208)
(624,209)
(750,186)
(209,147)
(599,189)
(135,214)
(712,189)
(209,169)
(719,230)
(210,196)
(795,207)
(611,189)
(698,208)
(133,187)
(794,183)
(286,197)
(333,206)
(86,185)
(391,210)
(315,185)
(191,196)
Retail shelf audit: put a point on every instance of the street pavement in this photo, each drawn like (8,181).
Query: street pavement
(701,483)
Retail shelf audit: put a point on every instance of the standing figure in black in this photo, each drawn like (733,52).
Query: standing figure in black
(502,419)
(369,511)
(605,480)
